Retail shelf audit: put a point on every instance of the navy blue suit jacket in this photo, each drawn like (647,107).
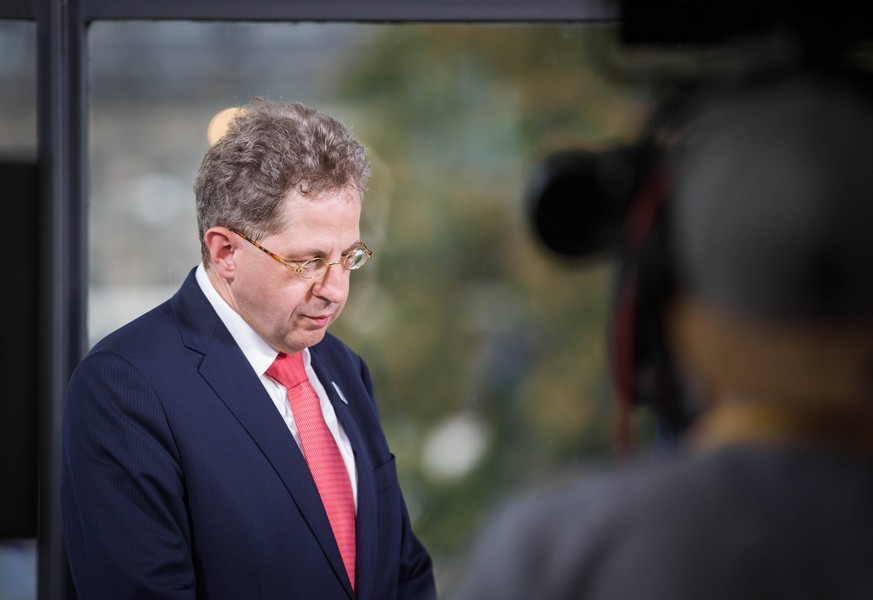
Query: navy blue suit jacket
(180,478)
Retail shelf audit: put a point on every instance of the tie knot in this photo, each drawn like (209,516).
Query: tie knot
(288,369)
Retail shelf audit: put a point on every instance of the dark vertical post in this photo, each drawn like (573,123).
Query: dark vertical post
(61,157)
(19,346)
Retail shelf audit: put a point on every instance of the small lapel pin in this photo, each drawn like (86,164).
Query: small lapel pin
(340,392)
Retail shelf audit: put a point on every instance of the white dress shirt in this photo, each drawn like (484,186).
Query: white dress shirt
(261,355)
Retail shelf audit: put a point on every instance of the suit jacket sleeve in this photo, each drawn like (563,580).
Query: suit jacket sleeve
(122,489)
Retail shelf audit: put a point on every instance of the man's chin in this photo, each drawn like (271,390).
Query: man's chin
(305,340)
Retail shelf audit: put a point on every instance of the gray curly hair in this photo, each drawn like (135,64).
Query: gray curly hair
(269,149)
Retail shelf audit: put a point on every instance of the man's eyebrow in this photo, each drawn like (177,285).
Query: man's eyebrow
(353,245)
(305,255)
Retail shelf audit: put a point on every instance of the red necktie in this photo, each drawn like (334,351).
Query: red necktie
(321,453)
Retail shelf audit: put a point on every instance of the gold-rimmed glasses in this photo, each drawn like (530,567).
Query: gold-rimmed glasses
(352,260)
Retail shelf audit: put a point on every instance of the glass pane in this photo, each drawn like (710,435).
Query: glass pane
(488,353)
(18,409)
(17,89)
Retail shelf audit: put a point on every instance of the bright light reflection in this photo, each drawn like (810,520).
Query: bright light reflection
(454,447)
(218,124)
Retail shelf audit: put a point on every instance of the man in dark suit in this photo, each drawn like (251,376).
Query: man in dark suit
(188,470)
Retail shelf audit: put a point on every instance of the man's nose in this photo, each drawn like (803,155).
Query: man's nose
(332,284)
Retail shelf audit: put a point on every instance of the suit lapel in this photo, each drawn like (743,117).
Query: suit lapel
(229,374)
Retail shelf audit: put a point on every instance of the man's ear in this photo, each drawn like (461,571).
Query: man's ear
(221,243)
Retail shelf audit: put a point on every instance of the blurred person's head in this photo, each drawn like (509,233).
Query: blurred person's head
(771,226)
